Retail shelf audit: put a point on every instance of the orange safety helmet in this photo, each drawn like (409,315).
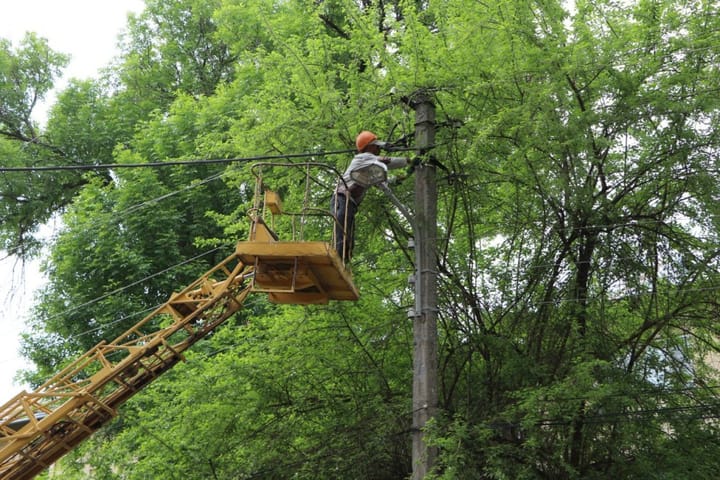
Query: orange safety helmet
(364,139)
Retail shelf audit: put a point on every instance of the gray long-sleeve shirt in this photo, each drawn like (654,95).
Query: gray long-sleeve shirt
(361,160)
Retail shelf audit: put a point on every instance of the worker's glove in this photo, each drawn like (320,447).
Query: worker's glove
(412,163)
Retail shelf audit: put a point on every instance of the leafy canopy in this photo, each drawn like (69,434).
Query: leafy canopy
(577,237)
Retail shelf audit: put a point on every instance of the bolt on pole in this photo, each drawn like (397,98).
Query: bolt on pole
(425,370)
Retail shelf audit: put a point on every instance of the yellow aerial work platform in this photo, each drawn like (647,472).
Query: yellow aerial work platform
(39,427)
(297,272)
(294,272)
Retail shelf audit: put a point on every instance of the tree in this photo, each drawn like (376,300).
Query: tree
(577,248)
(284,395)
(26,76)
(172,48)
(26,201)
(600,158)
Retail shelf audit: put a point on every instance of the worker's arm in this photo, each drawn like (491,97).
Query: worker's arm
(394,162)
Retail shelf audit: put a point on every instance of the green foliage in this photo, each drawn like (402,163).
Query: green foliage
(84,124)
(26,75)
(577,237)
(293,393)
(171,47)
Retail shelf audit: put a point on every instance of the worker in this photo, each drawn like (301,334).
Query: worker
(351,190)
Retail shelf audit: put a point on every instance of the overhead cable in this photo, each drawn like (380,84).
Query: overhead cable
(54,168)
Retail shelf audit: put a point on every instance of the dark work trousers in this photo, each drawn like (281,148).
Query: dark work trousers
(343,209)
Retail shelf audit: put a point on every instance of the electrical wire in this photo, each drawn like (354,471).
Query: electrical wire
(173,163)
(149,202)
(217,176)
(130,285)
(195,162)
(214,177)
(117,216)
(113,220)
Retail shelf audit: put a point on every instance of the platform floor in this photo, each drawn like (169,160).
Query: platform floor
(298,272)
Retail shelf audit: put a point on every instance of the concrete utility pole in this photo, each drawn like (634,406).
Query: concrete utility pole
(425,369)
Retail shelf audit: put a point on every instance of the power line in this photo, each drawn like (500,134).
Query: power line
(115,217)
(173,163)
(133,284)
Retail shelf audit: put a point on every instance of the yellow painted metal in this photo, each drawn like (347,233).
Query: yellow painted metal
(260,232)
(84,396)
(81,398)
(298,272)
(295,272)
(273,202)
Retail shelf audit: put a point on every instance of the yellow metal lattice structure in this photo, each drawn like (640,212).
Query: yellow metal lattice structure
(77,401)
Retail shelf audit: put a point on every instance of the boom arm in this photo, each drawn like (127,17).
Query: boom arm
(77,401)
